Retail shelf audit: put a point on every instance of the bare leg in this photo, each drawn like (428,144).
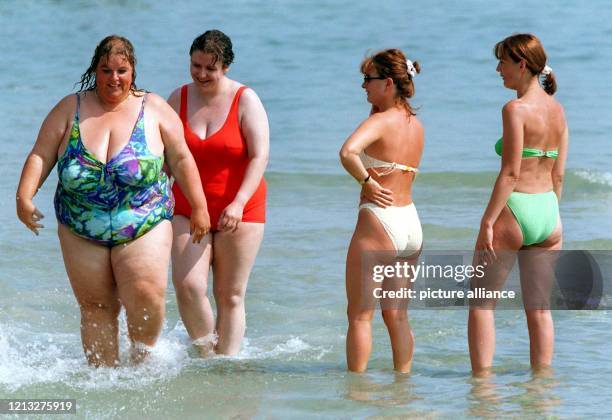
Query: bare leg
(190,267)
(369,236)
(89,269)
(537,274)
(141,272)
(234,256)
(507,239)
(395,315)
(402,339)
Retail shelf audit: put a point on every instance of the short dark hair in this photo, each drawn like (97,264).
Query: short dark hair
(216,43)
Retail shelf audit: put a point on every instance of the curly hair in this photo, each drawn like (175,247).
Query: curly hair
(112,44)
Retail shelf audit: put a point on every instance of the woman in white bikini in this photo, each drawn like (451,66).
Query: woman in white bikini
(382,155)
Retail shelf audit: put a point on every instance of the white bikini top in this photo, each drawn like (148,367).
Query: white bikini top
(370,163)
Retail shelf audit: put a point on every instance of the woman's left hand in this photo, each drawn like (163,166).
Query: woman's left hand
(375,193)
(230,217)
(485,254)
(199,224)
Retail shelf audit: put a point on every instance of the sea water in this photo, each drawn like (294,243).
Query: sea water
(302,58)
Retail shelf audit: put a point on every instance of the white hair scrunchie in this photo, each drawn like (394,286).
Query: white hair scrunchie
(411,69)
(546,70)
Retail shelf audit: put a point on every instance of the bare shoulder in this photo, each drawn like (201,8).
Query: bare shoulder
(174,100)
(162,111)
(157,103)
(379,118)
(415,122)
(558,108)
(516,110)
(513,106)
(62,113)
(249,99)
(66,106)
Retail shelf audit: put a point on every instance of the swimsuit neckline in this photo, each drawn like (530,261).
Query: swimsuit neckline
(117,155)
(225,122)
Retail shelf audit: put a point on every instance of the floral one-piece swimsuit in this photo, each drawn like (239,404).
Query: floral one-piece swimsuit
(114,202)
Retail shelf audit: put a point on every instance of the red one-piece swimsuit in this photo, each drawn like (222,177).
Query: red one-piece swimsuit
(222,160)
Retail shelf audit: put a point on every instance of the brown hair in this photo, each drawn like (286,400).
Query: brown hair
(527,47)
(112,44)
(392,63)
(216,43)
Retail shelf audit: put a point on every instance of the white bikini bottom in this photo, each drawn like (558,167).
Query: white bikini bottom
(402,225)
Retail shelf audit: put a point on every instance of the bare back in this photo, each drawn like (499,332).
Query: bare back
(401,141)
(544,128)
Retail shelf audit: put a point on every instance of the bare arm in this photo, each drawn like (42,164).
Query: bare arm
(558,170)
(174,100)
(506,180)
(41,161)
(367,133)
(255,128)
(183,167)
(510,163)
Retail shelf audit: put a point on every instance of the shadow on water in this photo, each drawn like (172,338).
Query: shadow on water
(533,397)
(393,393)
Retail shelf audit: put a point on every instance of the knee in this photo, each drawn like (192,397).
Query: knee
(149,296)
(229,299)
(356,316)
(394,316)
(93,309)
(190,290)
(538,315)
(481,314)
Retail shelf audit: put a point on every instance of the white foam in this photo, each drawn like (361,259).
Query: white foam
(29,358)
(595,177)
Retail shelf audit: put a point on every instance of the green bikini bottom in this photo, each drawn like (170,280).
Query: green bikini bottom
(536,214)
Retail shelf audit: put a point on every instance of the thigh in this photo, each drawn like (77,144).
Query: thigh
(399,285)
(234,255)
(368,249)
(507,240)
(190,262)
(89,270)
(537,264)
(141,266)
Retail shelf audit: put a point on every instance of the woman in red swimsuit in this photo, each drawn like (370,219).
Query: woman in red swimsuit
(226,129)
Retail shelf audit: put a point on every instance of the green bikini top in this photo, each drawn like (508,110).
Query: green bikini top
(529,152)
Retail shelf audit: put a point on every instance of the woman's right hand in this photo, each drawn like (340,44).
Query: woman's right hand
(375,193)
(199,224)
(29,215)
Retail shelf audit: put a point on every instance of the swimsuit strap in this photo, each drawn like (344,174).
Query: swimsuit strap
(78,110)
(138,133)
(75,131)
(371,162)
(142,106)
(183,110)
(237,98)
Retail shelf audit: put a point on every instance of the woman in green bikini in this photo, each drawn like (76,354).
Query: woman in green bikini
(523,212)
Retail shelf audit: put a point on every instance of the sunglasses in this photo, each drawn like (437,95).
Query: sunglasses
(367,78)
